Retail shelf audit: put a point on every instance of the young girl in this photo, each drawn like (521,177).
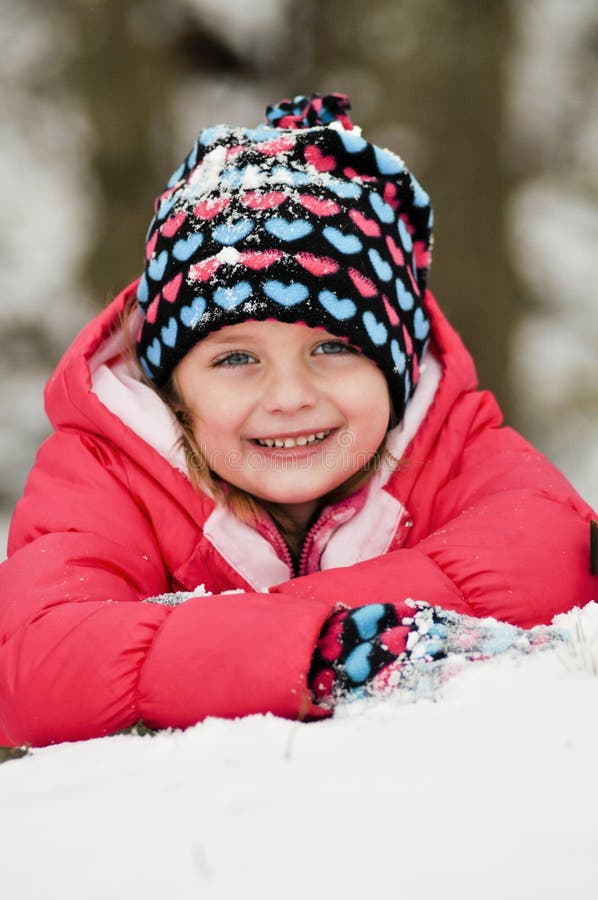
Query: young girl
(278,412)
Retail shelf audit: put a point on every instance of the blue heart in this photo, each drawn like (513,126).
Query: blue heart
(285,294)
(191,315)
(420,198)
(345,189)
(261,133)
(231,297)
(231,234)
(286,230)
(186,247)
(405,236)
(375,329)
(344,243)
(382,267)
(210,135)
(232,177)
(143,290)
(157,265)
(384,212)
(169,332)
(357,664)
(404,296)
(388,163)
(398,357)
(341,309)
(176,175)
(366,620)
(166,206)
(407,381)
(146,368)
(154,352)
(282,175)
(352,142)
(421,325)
(192,158)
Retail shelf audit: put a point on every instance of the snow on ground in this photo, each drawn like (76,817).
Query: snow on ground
(488,791)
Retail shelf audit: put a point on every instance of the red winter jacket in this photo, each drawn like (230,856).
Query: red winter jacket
(474,519)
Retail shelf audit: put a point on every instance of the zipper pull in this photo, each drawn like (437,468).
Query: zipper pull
(594,547)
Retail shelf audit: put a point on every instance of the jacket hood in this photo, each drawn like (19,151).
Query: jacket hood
(96,388)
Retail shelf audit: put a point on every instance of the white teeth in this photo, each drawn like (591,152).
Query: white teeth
(300,441)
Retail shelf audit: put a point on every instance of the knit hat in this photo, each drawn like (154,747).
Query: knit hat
(301,220)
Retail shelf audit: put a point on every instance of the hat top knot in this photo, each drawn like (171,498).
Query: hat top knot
(309,111)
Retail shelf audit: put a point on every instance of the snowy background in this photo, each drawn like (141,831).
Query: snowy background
(488,790)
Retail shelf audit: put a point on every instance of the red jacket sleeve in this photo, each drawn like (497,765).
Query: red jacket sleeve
(496,531)
(81,654)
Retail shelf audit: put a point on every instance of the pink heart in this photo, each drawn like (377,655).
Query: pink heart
(414,370)
(390,312)
(256,259)
(421,254)
(395,251)
(318,207)
(204,270)
(279,145)
(408,341)
(207,209)
(322,163)
(413,282)
(389,194)
(152,310)
(395,639)
(171,288)
(352,173)
(317,265)
(149,247)
(365,287)
(367,226)
(172,225)
(259,200)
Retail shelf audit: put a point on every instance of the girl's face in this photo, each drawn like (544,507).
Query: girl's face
(285,412)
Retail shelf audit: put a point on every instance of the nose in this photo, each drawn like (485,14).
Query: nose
(289,387)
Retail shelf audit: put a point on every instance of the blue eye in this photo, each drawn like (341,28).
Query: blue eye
(236,358)
(334,347)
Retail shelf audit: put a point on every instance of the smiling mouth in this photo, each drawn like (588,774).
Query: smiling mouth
(302,440)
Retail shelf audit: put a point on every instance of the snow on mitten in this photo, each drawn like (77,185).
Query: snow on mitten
(441,643)
(357,644)
(376,648)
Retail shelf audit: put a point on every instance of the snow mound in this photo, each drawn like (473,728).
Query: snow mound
(487,790)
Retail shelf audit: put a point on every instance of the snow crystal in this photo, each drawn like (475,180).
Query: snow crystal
(229,255)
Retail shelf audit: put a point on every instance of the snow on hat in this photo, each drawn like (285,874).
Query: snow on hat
(301,220)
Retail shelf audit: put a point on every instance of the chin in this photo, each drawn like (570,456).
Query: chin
(291,496)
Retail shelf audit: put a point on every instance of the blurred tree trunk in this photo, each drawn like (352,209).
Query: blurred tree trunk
(426,79)
(128,110)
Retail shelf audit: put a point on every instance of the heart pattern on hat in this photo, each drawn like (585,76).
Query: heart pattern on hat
(320,228)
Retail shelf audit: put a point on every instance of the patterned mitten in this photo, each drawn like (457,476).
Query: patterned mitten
(355,645)
(375,648)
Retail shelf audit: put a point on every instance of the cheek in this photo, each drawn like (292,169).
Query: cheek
(219,420)
(371,405)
